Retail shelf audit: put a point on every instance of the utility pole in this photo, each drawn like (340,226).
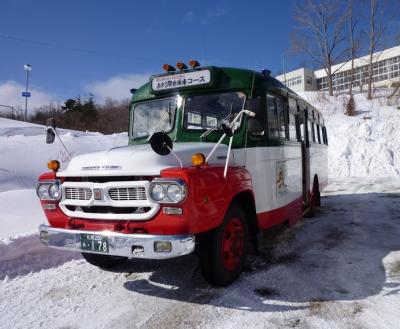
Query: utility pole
(284,69)
(28,69)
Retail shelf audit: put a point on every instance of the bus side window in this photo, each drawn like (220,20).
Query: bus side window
(313,131)
(309,127)
(302,128)
(273,127)
(292,127)
(325,135)
(281,106)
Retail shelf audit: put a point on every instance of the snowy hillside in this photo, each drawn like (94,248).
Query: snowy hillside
(367,144)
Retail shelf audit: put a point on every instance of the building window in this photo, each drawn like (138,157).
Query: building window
(293,81)
(382,70)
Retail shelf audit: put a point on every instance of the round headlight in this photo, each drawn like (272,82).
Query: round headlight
(157,192)
(174,193)
(54,191)
(43,191)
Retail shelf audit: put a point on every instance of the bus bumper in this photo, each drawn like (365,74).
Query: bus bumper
(118,244)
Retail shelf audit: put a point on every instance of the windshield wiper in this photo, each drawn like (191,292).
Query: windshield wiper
(210,130)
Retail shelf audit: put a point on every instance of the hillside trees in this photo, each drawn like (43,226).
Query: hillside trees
(82,113)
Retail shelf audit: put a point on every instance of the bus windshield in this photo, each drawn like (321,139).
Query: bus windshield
(154,116)
(203,112)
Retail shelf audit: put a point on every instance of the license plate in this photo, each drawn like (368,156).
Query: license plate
(93,242)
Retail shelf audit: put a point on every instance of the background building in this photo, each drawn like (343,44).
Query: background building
(386,73)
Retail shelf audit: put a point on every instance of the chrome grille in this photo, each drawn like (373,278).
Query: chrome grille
(78,193)
(128,194)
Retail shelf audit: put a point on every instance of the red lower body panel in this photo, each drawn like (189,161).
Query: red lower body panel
(291,212)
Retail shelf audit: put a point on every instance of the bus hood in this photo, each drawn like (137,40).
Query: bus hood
(139,160)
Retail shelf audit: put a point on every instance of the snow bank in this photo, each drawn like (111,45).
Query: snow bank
(367,144)
(24,153)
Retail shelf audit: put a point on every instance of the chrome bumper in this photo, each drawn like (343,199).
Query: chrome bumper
(126,245)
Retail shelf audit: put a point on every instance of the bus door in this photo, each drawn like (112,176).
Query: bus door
(305,154)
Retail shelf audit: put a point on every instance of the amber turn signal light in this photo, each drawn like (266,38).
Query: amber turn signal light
(193,64)
(53,165)
(168,68)
(198,159)
(181,66)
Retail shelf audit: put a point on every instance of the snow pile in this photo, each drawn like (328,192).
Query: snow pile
(367,144)
(24,152)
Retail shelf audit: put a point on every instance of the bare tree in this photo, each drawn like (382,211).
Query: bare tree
(375,33)
(352,27)
(320,33)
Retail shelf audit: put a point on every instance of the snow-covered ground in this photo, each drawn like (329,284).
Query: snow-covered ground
(340,269)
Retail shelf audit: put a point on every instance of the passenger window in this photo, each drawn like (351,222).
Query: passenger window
(309,127)
(292,127)
(313,131)
(302,129)
(281,116)
(318,135)
(273,127)
(325,135)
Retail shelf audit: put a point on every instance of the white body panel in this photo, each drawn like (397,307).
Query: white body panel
(138,160)
(264,163)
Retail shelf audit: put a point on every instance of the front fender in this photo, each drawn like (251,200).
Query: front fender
(209,193)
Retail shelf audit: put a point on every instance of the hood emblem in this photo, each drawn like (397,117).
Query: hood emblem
(98,193)
(102,168)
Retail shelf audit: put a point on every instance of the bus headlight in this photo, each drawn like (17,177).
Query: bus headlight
(55,191)
(49,190)
(157,192)
(174,193)
(42,191)
(167,191)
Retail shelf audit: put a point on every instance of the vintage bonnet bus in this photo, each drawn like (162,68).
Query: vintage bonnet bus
(215,155)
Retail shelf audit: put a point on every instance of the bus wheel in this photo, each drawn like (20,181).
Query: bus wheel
(223,250)
(104,261)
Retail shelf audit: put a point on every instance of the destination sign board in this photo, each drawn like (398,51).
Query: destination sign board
(181,80)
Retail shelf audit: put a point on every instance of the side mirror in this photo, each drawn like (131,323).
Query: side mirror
(161,143)
(50,134)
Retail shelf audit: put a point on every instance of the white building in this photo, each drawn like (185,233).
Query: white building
(386,73)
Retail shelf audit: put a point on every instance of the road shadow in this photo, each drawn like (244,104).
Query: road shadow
(27,254)
(344,253)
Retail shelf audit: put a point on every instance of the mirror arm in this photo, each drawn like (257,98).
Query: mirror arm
(59,139)
(215,147)
(176,157)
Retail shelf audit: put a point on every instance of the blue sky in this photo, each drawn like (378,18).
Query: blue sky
(128,40)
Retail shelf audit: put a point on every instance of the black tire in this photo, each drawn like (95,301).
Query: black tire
(222,251)
(104,261)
